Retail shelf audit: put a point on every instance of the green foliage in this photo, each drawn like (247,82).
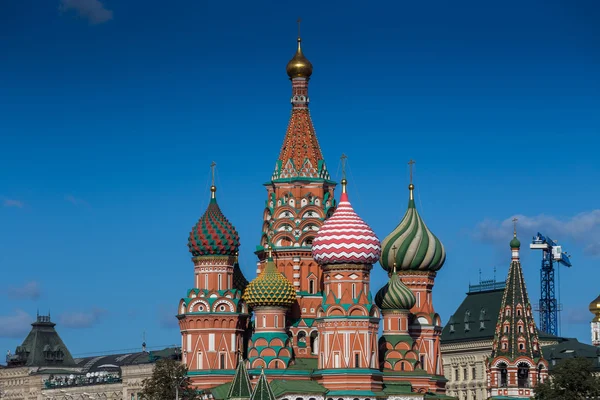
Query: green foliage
(572,379)
(167,376)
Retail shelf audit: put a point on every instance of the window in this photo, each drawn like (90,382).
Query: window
(504,345)
(456,378)
(199,360)
(508,312)
(423,361)
(402,365)
(467,319)
(506,328)
(473,373)
(465,376)
(222,361)
(356,360)
(518,312)
(264,321)
(277,321)
(503,374)
(520,329)
(311,286)
(521,346)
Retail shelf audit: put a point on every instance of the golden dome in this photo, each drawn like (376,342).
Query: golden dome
(595,308)
(299,66)
(270,288)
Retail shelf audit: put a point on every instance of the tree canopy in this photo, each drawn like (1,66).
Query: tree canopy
(571,379)
(167,376)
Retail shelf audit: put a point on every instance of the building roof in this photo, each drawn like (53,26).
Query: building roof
(262,390)
(475,318)
(240,385)
(571,348)
(116,361)
(42,347)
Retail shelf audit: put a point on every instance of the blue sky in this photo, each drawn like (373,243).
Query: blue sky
(111,113)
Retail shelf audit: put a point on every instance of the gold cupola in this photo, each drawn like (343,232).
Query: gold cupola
(595,309)
(299,66)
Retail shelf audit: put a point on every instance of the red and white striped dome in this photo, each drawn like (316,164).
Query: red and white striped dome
(346,238)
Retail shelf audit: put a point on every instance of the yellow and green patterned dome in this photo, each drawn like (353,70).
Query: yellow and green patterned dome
(270,288)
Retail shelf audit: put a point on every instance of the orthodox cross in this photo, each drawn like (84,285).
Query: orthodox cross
(270,250)
(514,220)
(394,248)
(343,158)
(410,166)
(212,171)
(299,20)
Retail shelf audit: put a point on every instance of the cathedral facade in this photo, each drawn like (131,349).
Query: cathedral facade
(308,323)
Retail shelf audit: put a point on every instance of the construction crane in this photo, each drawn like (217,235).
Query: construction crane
(548,306)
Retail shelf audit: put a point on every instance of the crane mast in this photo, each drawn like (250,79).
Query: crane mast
(548,305)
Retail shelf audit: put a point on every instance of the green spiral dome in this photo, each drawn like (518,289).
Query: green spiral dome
(395,295)
(270,288)
(411,245)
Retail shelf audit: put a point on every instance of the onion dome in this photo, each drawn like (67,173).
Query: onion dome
(299,66)
(515,243)
(270,288)
(213,234)
(345,237)
(395,295)
(595,308)
(411,245)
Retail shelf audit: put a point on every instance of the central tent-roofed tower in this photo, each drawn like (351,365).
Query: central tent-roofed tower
(300,196)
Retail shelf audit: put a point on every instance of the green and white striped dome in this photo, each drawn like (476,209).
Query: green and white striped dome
(411,245)
(395,295)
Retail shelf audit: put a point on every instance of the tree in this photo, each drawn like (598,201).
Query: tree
(572,379)
(169,380)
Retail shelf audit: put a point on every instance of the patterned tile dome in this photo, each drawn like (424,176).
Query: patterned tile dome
(270,288)
(411,245)
(395,295)
(213,234)
(345,237)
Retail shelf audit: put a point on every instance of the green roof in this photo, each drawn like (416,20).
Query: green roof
(479,312)
(43,347)
(240,386)
(263,391)
(571,348)
(305,364)
(284,386)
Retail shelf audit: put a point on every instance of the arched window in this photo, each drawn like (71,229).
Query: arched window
(503,375)
(311,286)
(482,319)
(523,375)
(467,319)
(264,322)
(314,342)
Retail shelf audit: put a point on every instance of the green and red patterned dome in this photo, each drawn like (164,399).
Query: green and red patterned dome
(213,234)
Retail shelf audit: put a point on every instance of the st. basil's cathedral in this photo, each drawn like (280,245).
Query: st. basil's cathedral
(308,322)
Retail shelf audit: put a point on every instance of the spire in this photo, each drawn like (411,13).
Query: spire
(516,335)
(515,244)
(240,386)
(263,390)
(300,155)
(213,188)
(344,158)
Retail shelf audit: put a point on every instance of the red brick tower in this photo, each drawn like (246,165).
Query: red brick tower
(299,199)
(347,320)
(212,317)
(418,255)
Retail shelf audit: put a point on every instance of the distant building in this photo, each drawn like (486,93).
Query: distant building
(468,341)
(42,368)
